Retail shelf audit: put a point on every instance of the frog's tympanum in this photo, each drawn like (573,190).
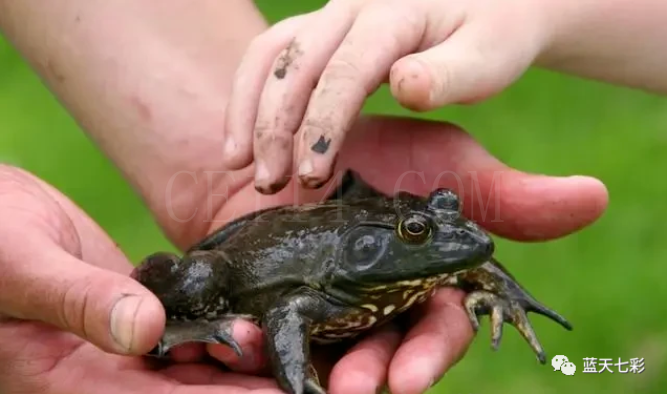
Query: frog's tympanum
(329,271)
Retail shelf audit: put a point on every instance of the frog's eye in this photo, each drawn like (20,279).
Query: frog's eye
(414,229)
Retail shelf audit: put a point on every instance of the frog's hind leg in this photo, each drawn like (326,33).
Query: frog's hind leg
(218,331)
(192,291)
(492,290)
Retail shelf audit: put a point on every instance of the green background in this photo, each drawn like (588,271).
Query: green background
(608,279)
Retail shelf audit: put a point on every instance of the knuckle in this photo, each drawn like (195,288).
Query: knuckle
(441,83)
(25,201)
(269,137)
(262,130)
(343,79)
(13,179)
(403,27)
(290,23)
(277,33)
(74,307)
(405,20)
(341,68)
(319,126)
(259,43)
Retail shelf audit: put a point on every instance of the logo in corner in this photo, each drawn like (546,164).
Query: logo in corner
(561,363)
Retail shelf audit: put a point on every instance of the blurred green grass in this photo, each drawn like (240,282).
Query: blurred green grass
(607,279)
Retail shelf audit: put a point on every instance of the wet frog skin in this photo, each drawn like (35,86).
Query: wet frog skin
(330,271)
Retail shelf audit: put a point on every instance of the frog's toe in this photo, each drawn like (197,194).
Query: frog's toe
(309,385)
(503,310)
(312,384)
(180,332)
(225,338)
(159,351)
(497,319)
(312,387)
(295,382)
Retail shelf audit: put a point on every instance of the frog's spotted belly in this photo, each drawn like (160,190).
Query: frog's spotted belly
(396,299)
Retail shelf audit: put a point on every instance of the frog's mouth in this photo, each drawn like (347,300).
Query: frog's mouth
(420,284)
(400,295)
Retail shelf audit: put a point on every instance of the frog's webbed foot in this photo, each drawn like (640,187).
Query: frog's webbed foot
(502,310)
(493,291)
(217,331)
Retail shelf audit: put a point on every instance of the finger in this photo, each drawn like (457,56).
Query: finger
(474,63)
(355,70)
(247,199)
(41,205)
(287,91)
(42,282)
(201,374)
(187,353)
(210,389)
(363,370)
(250,339)
(436,342)
(104,381)
(247,85)
(510,203)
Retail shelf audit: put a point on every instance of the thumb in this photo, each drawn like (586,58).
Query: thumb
(471,65)
(43,282)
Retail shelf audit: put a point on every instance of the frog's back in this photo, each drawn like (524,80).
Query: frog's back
(288,247)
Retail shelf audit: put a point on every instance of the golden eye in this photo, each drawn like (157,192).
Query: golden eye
(414,230)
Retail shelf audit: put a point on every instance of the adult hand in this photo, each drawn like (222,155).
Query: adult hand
(70,315)
(310,74)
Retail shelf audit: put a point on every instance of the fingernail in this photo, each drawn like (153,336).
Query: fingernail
(413,70)
(306,167)
(261,171)
(230,146)
(122,320)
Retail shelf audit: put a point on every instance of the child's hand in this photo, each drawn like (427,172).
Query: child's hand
(313,72)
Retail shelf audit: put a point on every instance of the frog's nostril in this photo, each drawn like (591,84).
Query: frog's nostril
(485,243)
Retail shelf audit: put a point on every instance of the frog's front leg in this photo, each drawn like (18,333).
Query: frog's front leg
(492,290)
(287,326)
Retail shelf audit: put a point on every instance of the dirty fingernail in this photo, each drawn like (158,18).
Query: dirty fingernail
(122,321)
(306,167)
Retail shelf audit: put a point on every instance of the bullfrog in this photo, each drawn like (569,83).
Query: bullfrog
(329,271)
